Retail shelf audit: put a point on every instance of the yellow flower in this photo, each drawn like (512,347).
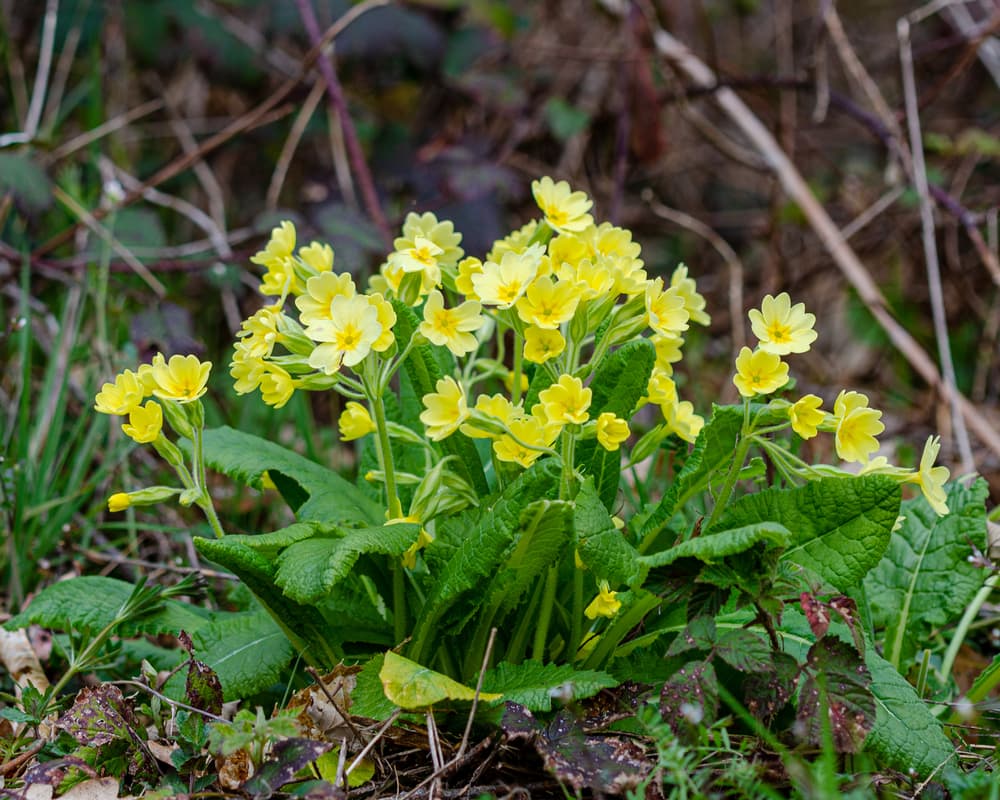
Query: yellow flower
(665,308)
(144,423)
(693,302)
(444,410)
(668,352)
(605,604)
(781,327)
(759,372)
(681,419)
(931,479)
(182,378)
(280,278)
(451,327)
(422,257)
(355,422)
(806,415)
(441,234)
(661,388)
(847,401)
(468,267)
(533,436)
(386,317)
(409,558)
(314,303)
(276,385)
(347,337)
(246,369)
(547,303)
(856,432)
(318,257)
(120,397)
(564,210)
(540,345)
(119,501)
(611,431)
(592,279)
(566,401)
(569,249)
(259,333)
(503,284)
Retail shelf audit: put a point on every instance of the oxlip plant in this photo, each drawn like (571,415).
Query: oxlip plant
(496,404)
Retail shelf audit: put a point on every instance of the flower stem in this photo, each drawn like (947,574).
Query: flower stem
(545,614)
(742,448)
(385,455)
(201,481)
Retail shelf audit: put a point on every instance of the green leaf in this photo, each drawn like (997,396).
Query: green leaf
(309,569)
(711,547)
(925,578)
(248,651)
(92,602)
(533,684)
(713,450)
(301,624)
(424,372)
(482,552)
(906,735)
(411,686)
(368,698)
(564,120)
(313,491)
(601,546)
(839,526)
(837,685)
(620,381)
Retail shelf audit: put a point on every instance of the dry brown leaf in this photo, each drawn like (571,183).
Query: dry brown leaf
(94,789)
(234,770)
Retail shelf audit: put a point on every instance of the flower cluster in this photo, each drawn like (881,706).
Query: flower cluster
(782,328)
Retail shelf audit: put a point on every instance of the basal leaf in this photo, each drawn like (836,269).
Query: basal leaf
(839,526)
(313,491)
(533,684)
(368,698)
(309,569)
(925,578)
(411,686)
(482,552)
(92,602)
(248,651)
(301,624)
(601,546)
(906,735)
(837,685)
(713,546)
(620,381)
(424,371)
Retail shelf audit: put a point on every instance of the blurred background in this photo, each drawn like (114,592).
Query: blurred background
(147,147)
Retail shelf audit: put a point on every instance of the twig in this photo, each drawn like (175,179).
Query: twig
(42,72)
(291,144)
(169,701)
(112,125)
(64,65)
(368,747)
(824,227)
(245,122)
(103,558)
(90,220)
(333,701)
(930,245)
(475,697)
(8,768)
(358,163)
(250,36)
(870,213)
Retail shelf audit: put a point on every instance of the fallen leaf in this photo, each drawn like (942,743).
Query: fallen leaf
(94,789)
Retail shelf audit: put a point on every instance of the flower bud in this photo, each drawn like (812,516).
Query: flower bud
(176,416)
(143,497)
(168,451)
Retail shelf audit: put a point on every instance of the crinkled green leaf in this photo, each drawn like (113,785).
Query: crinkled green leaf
(309,569)
(92,602)
(411,686)
(248,651)
(313,491)
(906,735)
(620,380)
(836,696)
(533,684)
(482,553)
(839,527)
(710,547)
(601,546)
(925,578)
(424,372)
(301,624)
